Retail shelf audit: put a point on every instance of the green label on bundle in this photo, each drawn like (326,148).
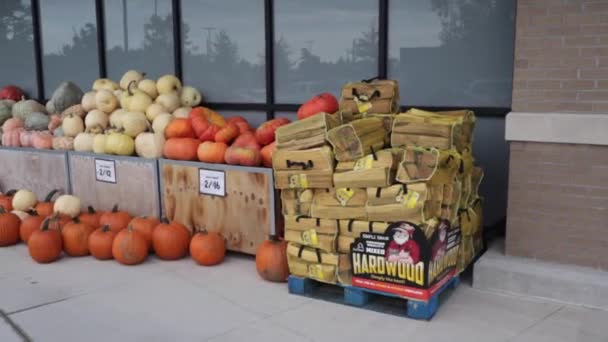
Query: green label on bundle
(310,238)
(409,200)
(364,163)
(315,271)
(343,195)
(298,181)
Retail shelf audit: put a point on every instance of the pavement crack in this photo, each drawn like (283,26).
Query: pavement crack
(16,328)
(546,317)
(41,305)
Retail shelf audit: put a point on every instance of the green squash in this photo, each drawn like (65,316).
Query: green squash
(22,108)
(65,96)
(6,107)
(58,132)
(36,121)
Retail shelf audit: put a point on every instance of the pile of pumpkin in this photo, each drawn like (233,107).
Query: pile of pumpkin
(52,228)
(208,137)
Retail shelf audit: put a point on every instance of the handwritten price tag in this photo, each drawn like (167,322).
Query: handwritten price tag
(105,171)
(212,182)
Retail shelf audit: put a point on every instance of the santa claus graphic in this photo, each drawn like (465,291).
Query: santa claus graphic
(402,247)
(441,243)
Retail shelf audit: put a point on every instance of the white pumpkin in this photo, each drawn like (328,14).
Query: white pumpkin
(67,205)
(84,142)
(21,214)
(154,110)
(137,100)
(149,145)
(106,101)
(72,125)
(160,123)
(116,118)
(170,101)
(134,123)
(96,118)
(99,143)
(24,200)
(182,112)
(88,101)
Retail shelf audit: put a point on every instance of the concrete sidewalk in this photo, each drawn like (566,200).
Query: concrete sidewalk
(82,299)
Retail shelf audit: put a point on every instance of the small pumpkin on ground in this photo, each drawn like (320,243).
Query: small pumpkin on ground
(207,248)
(6,200)
(45,208)
(100,243)
(76,238)
(129,247)
(271,260)
(145,226)
(45,244)
(170,240)
(68,205)
(116,219)
(9,228)
(90,217)
(24,200)
(30,225)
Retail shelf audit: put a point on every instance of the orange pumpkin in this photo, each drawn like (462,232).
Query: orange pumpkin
(265,133)
(171,240)
(45,244)
(116,219)
(243,156)
(30,225)
(210,152)
(227,133)
(42,140)
(241,123)
(267,152)
(246,140)
(100,243)
(57,221)
(179,128)
(46,208)
(181,148)
(76,238)
(145,226)
(90,217)
(199,121)
(6,200)
(129,247)
(9,228)
(213,117)
(271,260)
(207,248)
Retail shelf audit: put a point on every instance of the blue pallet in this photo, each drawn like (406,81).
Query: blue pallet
(370,299)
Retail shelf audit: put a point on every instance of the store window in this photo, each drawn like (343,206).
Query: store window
(139,35)
(69,43)
(17,64)
(223,49)
(320,45)
(452,53)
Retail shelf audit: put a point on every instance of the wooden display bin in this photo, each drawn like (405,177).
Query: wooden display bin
(244,210)
(40,171)
(102,181)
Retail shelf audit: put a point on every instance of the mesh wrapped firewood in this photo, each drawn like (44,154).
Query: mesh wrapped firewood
(427,129)
(351,229)
(465,177)
(468,123)
(357,139)
(476,178)
(312,168)
(416,202)
(428,165)
(296,201)
(315,264)
(451,200)
(312,232)
(374,170)
(339,203)
(308,133)
(370,96)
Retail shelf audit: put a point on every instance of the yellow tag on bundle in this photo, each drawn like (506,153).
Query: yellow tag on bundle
(315,271)
(310,238)
(409,200)
(364,163)
(298,181)
(343,195)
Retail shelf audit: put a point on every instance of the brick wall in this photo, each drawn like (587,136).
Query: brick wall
(561,56)
(558,203)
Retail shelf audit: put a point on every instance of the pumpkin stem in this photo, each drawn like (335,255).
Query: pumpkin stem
(76,220)
(115,208)
(32,212)
(273,238)
(129,88)
(45,224)
(11,192)
(91,210)
(50,195)
(105,228)
(164,220)
(2,210)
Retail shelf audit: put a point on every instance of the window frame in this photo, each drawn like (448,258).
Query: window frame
(270,106)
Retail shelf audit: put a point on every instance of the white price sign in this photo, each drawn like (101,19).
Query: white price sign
(105,171)
(212,182)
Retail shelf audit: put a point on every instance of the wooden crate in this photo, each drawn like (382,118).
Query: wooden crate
(245,216)
(136,188)
(37,170)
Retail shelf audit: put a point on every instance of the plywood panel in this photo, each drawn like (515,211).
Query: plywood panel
(136,188)
(245,216)
(36,170)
